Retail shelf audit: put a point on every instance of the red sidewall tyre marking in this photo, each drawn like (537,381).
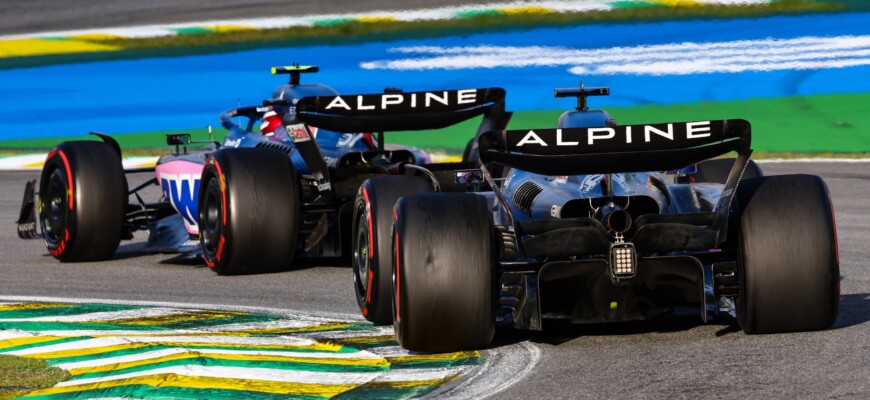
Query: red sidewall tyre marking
(69,179)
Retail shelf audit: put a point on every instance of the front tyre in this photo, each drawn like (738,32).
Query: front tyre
(443,281)
(248,211)
(82,201)
(788,264)
(372,242)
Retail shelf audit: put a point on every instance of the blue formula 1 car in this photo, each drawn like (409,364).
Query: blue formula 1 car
(569,223)
(261,198)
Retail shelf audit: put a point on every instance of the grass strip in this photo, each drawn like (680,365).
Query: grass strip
(19,375)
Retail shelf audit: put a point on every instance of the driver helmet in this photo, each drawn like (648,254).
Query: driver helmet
(271,122)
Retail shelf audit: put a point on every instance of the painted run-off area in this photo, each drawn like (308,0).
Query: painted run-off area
(836,123)
(801,80)
(113,350)
(814,107)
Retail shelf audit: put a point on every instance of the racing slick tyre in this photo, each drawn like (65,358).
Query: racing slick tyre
(443,281)
(248,211)
(788,263)
(82,201)
(372,242)
(716,171)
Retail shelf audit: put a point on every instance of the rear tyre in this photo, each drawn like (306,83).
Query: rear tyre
(372,242)
(83,199)
(716,171)
(443,283)
(788,263)
(248,211)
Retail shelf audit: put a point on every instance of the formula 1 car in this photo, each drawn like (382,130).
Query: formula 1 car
(574,226)
(257,201)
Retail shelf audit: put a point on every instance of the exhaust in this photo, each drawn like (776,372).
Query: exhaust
(617,221)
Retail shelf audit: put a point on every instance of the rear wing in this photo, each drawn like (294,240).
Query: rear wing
(400,111)
(627,148)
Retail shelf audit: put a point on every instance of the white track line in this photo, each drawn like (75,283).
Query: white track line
(664,59)
(106,315)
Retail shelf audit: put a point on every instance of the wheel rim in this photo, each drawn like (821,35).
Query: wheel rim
(361,260)
(55,208)
(210,219)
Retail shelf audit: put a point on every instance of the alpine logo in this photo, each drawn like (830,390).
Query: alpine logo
(666,136)
(408,100)
(182,191)
(400,102)
(693,130)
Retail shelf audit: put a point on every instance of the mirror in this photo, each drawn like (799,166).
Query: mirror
(468,176)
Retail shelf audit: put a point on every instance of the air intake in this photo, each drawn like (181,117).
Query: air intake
(525,195)
(278,146)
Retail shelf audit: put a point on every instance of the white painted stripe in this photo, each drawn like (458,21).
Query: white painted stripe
(112,341)
(260,374)
(107,315)
(502,368)
(361,355)
(14,334)
(122,359)
(389,351)
(347,334)
(813,160)
(665,59)
(139,161)
(20,161)
(35,162)
(407,375)
(276,324)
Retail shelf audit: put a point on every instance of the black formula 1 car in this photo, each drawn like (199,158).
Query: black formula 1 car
(260,199)
(569,223)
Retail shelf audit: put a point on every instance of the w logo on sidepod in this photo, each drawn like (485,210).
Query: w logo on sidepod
(182,190)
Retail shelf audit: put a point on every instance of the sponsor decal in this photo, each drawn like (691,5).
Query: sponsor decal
(619,138)
(590,182)
(561,180)
(348,140)
(182,191)
(430,101)
(232,143)
(298,133)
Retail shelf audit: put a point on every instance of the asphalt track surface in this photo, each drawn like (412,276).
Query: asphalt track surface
(17,17)
(673,358)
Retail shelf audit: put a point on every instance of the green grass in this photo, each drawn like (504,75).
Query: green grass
(835,124)
(344,32)
(19,375)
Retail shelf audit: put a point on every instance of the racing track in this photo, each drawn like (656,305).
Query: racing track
(665,359)
(17,17)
